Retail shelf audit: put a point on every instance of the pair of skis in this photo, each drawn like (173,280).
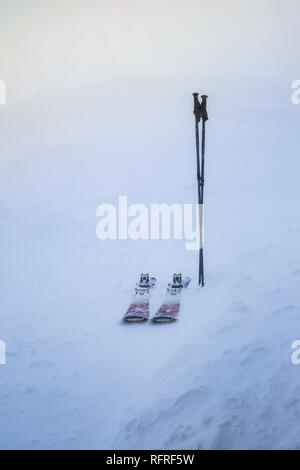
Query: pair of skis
(169,310)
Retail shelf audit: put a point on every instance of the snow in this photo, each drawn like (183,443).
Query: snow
(222,376)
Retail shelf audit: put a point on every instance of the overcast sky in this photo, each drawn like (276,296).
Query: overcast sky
(49,46)
(112,80)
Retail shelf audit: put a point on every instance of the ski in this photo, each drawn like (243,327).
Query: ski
(138,311)
(169,310)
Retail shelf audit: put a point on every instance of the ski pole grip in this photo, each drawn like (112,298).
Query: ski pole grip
(204,101)
(197,112)
(195,95)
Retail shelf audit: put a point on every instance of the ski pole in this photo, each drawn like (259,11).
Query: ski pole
(200,112)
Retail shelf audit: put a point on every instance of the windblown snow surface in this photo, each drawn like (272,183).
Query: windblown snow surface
(76,377)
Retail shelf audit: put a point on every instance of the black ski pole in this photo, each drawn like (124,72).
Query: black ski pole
(200,112)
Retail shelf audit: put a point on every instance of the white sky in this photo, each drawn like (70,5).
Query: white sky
(112,81)
(49,46)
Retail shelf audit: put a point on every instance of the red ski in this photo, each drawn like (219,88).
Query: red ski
(169,310)
(139,309)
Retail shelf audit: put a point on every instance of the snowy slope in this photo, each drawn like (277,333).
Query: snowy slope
(232,386)
(220,378)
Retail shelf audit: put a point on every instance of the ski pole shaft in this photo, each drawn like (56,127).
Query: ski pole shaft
(200,197)
(201,262)
(200,113)
(198,160)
